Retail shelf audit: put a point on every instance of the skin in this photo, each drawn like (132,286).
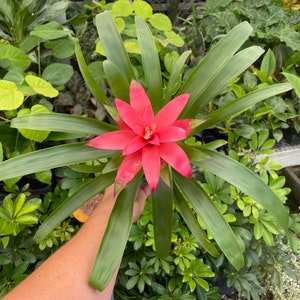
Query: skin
(65,274)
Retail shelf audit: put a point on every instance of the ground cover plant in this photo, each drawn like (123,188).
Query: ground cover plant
(184,253)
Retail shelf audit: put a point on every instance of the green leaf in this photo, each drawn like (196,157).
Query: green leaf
(50,31)
(57,156)
(86,192)
(113,44)
(232,69)
(193,224)
(162,207)
(41,86)
(204,75)
(176,75)
(294,81)
(34,135)
(88,78)
(212,218)
(241,104)
(268,63)
(174,38)
(245,180)
(10,97)
(151,63)
(111,249)
(29,206)
(15,57)
(19,202)
(161,22)
(62,123)
(57,73)
(118,83)
(142,9)
(122,8)
(61,48)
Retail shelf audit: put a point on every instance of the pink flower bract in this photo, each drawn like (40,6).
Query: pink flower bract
(147,140)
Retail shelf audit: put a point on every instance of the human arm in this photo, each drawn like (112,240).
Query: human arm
(65,274)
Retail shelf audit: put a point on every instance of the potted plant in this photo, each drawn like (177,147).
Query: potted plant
(166,131)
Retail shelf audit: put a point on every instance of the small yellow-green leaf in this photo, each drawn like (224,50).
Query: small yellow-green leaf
(20,200)
(174,38)
(34,135)
(161,22)
(132,47)
(41,86)
(99,48)
(122,8)
(120,24)
(10,97)
(142,9)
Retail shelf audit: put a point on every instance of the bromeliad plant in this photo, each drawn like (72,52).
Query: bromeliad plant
(153,141)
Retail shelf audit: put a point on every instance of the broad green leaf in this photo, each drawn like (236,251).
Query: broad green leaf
(162,201)
(294,81)
(268,63)
(118,83)
(15,57)
(122,8)
(54,157)
(245,180)
(10,97)
(44,176)
(161,22)
(151,63)
(34,135)
(50,31)
(113,44)
(191,221)
(62,123)
(142,9)
(41,86)
(61,48)
(88,78)
(241,104)
(212,218)
(211,65)
(52,10)
(111,249)
(86,192)
(57,73)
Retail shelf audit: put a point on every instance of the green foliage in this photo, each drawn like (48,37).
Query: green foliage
(230,218)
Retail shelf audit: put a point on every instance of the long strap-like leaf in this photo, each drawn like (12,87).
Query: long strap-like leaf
(113,44)
(62,123)
(88,78)
(245,180)
(212,63)
(110,253)
(190,219)
(151,64)
(212,218)
(162,204)
(54,157)
(85,193)
(241,104)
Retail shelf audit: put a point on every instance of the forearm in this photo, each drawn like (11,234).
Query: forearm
(65,274)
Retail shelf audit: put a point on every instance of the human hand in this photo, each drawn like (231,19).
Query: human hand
(83,213)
